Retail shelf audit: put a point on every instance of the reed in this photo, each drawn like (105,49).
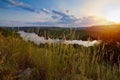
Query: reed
(20,60)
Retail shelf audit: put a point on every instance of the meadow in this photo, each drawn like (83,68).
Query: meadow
(21,60)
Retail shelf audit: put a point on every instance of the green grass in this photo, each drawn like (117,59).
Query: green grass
(53,61)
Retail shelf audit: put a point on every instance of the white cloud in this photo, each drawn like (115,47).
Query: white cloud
(57,18)
(45,10)
(66,20)
(22,5)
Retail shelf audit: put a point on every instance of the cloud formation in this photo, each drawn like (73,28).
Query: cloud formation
(45,10)
(92,20)
(48,17)
(65,18)
(21,5)
(62,19)
(59,13)
(54,18)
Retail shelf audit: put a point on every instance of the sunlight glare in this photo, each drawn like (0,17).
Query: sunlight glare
(112,15)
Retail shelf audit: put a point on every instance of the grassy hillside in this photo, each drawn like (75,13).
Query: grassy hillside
(20,60)
(103,32)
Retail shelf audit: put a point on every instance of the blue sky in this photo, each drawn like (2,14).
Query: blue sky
(58,12)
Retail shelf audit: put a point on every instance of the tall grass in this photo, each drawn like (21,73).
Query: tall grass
(20,60)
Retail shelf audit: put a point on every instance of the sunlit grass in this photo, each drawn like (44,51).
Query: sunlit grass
(53,61)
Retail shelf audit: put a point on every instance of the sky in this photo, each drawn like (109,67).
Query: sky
(63,13)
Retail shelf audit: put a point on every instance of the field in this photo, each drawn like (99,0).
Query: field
(20,60)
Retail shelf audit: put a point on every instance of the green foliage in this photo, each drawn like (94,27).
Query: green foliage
(20,60)
(61,33)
